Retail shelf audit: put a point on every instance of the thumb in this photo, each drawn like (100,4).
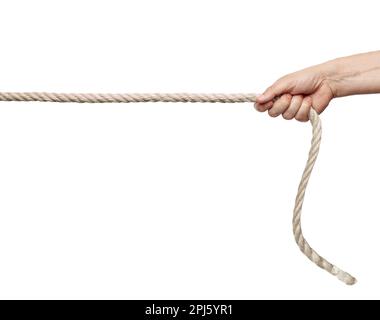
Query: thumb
(276,89)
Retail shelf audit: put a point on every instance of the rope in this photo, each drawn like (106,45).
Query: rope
(297,230)
(125,97)
(207,98)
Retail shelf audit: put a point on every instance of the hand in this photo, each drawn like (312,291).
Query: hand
(294,94)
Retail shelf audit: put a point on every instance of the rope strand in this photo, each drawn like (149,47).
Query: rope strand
(207,98)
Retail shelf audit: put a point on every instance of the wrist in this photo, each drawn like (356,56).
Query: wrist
(335,74)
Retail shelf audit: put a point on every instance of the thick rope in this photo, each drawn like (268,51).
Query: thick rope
(297,230)
(125,97)
(207,98)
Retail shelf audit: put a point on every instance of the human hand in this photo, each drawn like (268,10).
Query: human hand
(294,94)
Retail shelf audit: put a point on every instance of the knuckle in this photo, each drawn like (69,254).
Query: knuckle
(307,101)
(287,97)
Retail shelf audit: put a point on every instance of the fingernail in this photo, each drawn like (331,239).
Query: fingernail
(287,115)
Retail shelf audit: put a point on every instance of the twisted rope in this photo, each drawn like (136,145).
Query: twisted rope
(297,230)
(126,97)
(213,97)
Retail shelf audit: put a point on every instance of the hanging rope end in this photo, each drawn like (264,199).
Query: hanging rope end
(343,276)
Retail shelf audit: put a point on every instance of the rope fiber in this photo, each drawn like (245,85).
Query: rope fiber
(207,98)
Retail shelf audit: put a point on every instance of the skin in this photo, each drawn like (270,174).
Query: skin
(293,95)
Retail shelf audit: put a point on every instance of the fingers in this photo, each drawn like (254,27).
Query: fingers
(280,105)
(289,106)
(294,106)
(321,100)
(263,107)
(278,88)
(303,112)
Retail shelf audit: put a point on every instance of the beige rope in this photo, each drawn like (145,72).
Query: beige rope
(297,230)
(213,97)
(125,97)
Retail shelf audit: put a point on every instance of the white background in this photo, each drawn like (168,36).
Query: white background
(176,200)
